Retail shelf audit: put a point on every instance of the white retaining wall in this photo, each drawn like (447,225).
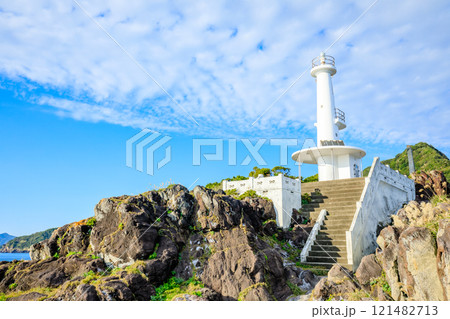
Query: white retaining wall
(284,192)
(385,192)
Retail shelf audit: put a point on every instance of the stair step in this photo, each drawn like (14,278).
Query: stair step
(333,233)
(328,242)
(328,265)
(333,238)
(328,254)
(326,259)
(328,248)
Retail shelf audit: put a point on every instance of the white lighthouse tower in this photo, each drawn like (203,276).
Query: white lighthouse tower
(334,158)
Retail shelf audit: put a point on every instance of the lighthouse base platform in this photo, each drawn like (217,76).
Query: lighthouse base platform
(334,162)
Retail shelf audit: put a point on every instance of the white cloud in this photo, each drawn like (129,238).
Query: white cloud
(392,78)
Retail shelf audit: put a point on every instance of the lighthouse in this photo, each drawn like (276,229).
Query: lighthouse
(335,160)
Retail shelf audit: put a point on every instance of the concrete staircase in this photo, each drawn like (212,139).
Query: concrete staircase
(339,198)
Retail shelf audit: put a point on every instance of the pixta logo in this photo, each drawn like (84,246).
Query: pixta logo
(144,145)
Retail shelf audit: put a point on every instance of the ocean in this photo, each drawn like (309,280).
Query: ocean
(13,256)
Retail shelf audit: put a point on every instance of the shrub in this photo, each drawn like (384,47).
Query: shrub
(91,221)
(176,286)
(154,254)
(231,192)
(314,178)
(306,199)
(250,193)
(12,286)
(296,291)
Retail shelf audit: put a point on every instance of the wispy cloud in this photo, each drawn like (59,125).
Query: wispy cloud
(225,62)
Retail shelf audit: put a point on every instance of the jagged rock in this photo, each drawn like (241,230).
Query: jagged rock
(262,208)
(32,296)
(418,275)
(368,270)
(236,267)
(388,242)
(115,290)
(72,237)
(419,214)
(49,273)
(216,211)
(123,232)
(338,273)
(156,235)
(443,256)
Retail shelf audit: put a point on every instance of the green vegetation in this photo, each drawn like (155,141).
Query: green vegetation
(273,241)
(231,192)
(154,254)
(218,185)
(71,253)
(56,255)
(121,226)
(49,292)
(250,193)
(25,242)
(12,286)
(257,171)
(296,291)
(306,199)
(436,199)
(175,287)
(426,158)
(254,173)
(90,276)
(433,225)
(91,221)
(381,281)
(316,270)
(314,178)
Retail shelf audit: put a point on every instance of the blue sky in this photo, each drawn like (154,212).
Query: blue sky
(70,97)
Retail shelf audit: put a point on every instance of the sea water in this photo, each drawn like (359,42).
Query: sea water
(14,256)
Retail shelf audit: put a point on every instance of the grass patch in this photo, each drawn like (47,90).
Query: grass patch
(71,253)
(436,199)
(90,276)
(381,281)
(49,292)
(296,291)
(175,287)
(316,270)
(154,254)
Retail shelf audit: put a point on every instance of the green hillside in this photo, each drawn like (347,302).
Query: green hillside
(23,243)
(426,158)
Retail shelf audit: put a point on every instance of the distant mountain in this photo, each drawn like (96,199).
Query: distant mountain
(426,158)
(23,243)
(4,238)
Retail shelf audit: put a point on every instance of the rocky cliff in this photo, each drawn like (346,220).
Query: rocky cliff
(412,262)
(170,244)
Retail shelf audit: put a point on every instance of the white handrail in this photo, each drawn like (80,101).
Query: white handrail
(312,235)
